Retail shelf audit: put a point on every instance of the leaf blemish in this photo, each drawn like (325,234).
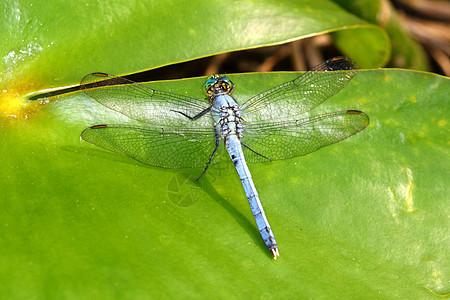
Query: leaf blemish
(402,197)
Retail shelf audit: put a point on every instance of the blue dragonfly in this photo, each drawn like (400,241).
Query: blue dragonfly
(178,131)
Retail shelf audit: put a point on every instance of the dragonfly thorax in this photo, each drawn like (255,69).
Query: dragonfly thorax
(227,116)
(230,121)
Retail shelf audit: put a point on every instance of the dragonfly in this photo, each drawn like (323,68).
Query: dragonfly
(178,131)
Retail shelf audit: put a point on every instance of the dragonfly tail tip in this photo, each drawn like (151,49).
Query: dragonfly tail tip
(275,253)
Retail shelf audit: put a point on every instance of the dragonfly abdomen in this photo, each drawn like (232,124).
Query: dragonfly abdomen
(228,122)
(234,148)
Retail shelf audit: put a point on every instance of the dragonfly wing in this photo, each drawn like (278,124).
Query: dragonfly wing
(142,103)
(282,140)
(161,147)
(289,100)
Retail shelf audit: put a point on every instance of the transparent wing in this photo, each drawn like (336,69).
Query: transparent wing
(283,140)
(161,147)
(291,99)
(144,104)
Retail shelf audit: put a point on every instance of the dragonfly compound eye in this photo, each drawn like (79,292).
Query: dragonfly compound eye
(210,82)
(227,85)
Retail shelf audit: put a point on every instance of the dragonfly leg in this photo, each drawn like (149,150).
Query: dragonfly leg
(255,151)
(194,117)
(212,156)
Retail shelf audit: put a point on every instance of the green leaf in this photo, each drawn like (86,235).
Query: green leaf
(55,44)
(364,218)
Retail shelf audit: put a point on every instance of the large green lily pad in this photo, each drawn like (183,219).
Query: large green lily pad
(364,218)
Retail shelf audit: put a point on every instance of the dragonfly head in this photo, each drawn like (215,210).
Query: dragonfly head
(217,85)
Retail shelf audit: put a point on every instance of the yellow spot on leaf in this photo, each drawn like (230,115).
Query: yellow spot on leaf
(402,196)
(13,104)
(409,199)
